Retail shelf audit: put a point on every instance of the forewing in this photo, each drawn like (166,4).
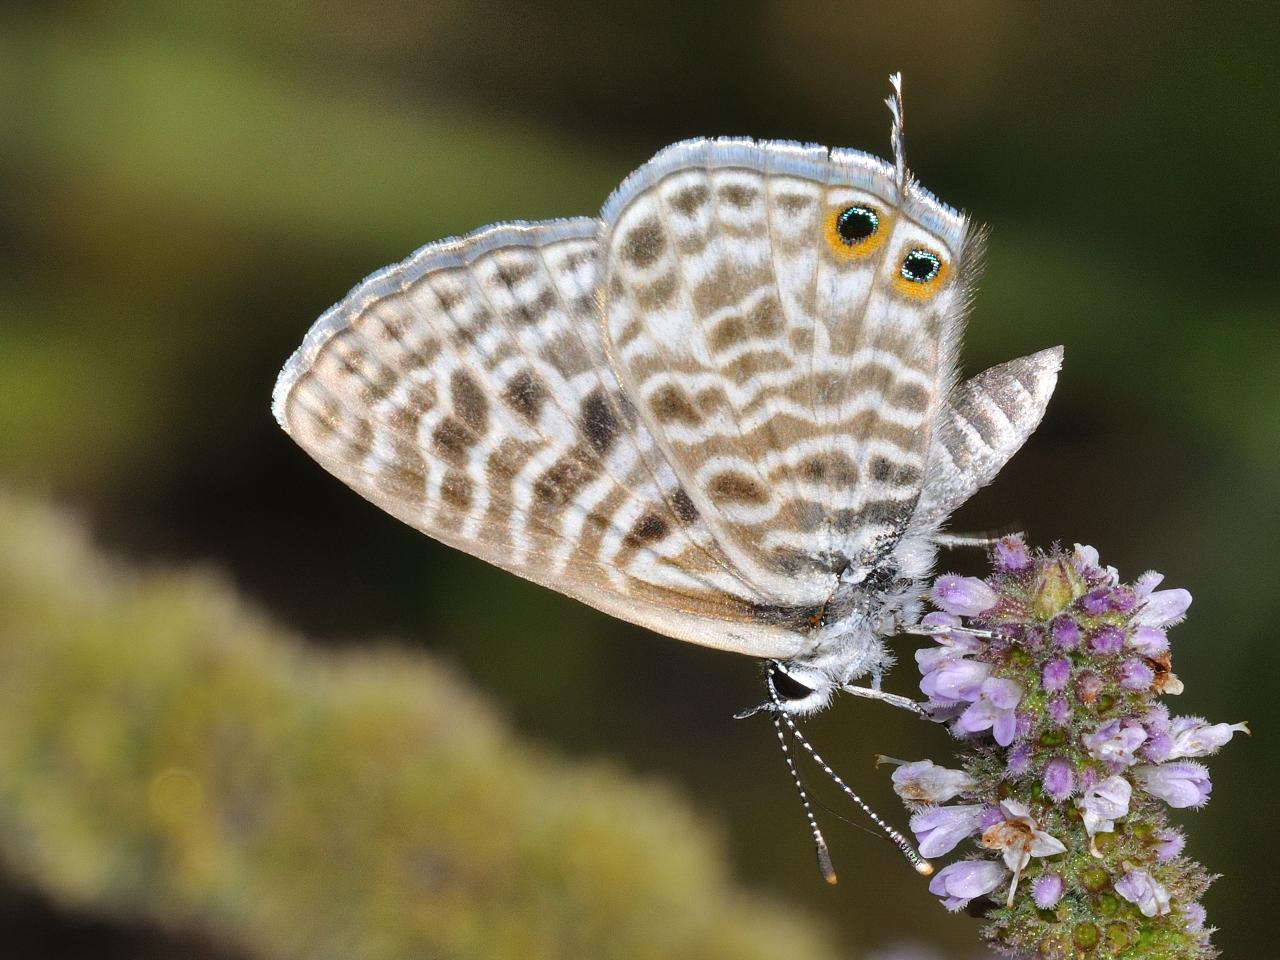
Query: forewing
(988,419)
(792,383)
(467,392)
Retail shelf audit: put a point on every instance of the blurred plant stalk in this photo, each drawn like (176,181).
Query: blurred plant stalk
(166,753)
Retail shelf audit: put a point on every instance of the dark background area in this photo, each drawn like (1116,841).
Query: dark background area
(185,186)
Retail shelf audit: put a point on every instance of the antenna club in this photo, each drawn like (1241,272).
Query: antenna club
(924,868)
(825,866)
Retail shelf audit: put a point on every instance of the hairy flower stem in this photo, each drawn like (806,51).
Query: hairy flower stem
(1050,676)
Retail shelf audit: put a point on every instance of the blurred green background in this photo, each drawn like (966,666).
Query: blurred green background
(185,186)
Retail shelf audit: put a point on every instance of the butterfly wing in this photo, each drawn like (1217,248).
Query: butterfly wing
(466,391)
(792,380)
(987,420)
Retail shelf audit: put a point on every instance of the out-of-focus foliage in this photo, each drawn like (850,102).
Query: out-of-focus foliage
(166,752)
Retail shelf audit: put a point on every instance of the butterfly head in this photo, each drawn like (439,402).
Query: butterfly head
(796,689)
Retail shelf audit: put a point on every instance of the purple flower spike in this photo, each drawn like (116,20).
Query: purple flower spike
(1179,785)
(1106,641)
(1012,554)
(963,596)
(1066,633)
(960,882)
(939,829)
(1047,890)
(1136,675)
(1139,887)
(923,782)
(1059,779)
(1055,675)
(1051,674)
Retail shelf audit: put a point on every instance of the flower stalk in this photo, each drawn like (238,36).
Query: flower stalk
(1050,673)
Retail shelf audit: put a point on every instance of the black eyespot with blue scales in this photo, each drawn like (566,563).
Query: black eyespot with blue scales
(856,224)
(920,266)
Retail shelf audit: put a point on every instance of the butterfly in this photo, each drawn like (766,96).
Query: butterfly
(725,409)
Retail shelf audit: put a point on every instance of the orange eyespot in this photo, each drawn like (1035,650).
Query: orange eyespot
(920,273)
(855,231)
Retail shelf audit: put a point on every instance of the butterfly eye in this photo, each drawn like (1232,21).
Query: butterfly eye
(920,266)
(856,224)
(788,687)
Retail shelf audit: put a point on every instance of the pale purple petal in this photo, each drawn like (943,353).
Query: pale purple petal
(960,882)
(964,596)
(1156,719)
(1149,641)
(990,817)
(1163,608)
(1047,890)
(1004,727)
(977,717)
(1087,564)
(1004,693)
(924,782)
(1114,743)
(936,618)
(1193,737)
(939,829)
(1147,582)
(1136,675)
(1104,803)
(1193,917)
(955,680)
(1140,888)
(1085,558)
(986,713)
(1182,784)
(928,659)
(1012,554)
(1157,747)
(944,623)
(1169,844)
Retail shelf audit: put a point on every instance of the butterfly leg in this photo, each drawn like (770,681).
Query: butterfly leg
(893,699)
(917,630)
(953,540)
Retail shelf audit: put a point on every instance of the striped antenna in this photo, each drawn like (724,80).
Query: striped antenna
(896,135)
(819,844)
(923,866)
